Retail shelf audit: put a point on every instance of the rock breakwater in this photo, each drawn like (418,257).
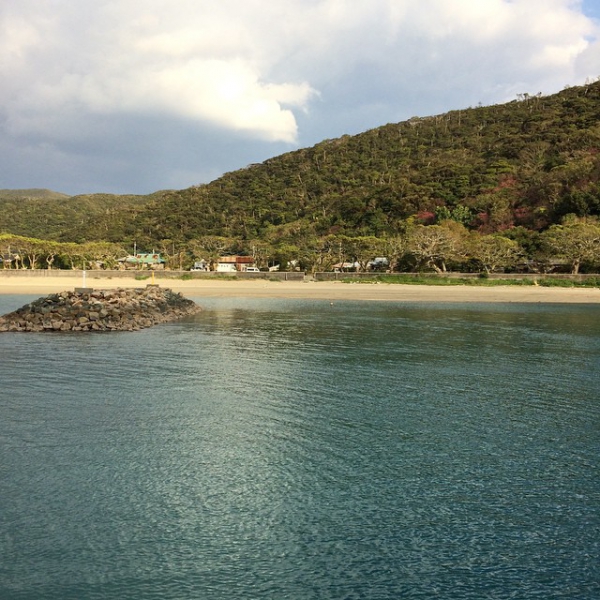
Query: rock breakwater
(100,310)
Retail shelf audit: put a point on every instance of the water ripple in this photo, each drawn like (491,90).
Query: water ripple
(268,450)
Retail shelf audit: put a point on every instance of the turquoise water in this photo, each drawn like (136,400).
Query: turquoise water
(300,450)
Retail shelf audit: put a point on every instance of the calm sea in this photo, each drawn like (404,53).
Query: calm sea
(272,449)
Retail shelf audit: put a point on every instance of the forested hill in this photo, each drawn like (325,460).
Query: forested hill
(529,162)
(44,214)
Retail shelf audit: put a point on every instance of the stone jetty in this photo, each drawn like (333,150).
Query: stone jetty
(87,309)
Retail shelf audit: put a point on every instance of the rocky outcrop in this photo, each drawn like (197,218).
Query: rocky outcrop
(100,310)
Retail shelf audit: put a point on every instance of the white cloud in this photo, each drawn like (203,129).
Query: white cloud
(291,71)
(198,67)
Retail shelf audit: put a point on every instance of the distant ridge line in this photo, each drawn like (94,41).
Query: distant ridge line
(33,193)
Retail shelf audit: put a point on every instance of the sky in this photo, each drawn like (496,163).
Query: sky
(123,96)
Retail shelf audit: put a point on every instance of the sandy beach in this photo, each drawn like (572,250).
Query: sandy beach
(212,288)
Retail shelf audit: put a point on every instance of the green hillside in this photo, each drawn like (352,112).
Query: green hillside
(529,162)
(51,215)
(526,163)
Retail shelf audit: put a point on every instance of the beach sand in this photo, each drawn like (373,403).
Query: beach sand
(260,288)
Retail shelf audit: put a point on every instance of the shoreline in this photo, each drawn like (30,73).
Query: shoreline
(317,290)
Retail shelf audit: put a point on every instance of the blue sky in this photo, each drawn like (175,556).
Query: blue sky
(591,8)
(124,96)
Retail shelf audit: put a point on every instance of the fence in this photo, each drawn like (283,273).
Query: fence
(143,275)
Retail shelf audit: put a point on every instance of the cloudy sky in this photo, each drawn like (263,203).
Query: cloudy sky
(126,96)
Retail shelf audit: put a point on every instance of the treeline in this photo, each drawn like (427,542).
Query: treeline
(448,246)
(19,252)
(58,217)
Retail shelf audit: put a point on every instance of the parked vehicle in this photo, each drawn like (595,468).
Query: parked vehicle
(200,265)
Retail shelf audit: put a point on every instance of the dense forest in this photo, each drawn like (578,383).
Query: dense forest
(525,173)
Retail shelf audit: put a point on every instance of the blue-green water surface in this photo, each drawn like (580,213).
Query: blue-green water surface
(272,449)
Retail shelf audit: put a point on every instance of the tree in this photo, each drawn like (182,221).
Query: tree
(394,248)
(460,213)
(9,249)
(317,254)
(577,241)
(75,254)
(32,249)
(363,249)
(166,247)
(260,252)
(285,256)
(51,250)
(105,253)
(436,245)
(495,209)
(494,252)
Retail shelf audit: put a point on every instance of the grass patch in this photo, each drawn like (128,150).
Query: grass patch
(474,281)
(439,281)
(141,277)
(590,282)
(187,276)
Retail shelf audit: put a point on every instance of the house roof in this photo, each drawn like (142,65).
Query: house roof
(237,260)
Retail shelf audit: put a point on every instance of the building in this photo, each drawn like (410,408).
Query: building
(232,264)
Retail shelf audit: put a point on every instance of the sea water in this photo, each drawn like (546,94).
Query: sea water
(290,449)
